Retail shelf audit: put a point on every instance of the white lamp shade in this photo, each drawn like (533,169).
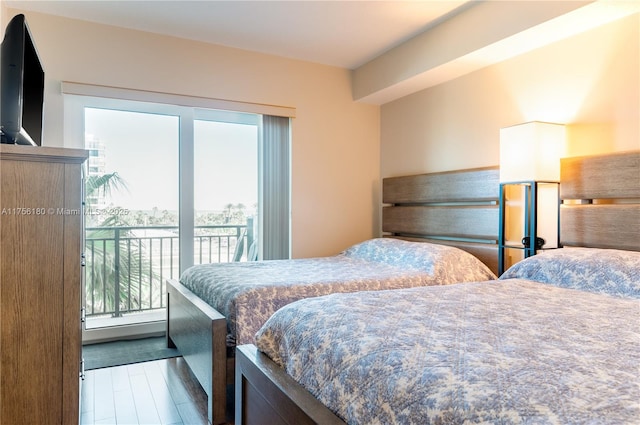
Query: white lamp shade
(532,152)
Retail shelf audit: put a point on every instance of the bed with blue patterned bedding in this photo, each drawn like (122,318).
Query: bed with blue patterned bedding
(248,293)
(555,340)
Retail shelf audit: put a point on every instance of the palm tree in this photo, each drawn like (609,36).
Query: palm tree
(240,210)
(227,212)
(118,281)
(105,183)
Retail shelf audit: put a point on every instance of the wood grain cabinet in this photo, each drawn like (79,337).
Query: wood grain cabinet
(41,219)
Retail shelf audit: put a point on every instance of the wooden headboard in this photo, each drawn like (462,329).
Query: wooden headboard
(601,201)
(457,208)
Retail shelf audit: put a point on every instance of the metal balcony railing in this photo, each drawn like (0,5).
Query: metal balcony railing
(126,267)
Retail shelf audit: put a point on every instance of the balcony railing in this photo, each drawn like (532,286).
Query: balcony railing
(127,267)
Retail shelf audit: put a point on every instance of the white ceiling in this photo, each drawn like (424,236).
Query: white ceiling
(339,33)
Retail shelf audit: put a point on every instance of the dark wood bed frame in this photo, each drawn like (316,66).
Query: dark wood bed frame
(458,208)
(601,209)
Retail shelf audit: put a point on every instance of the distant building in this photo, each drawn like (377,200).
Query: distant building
(95,167)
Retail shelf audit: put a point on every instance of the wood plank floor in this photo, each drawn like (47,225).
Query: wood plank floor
(156,392)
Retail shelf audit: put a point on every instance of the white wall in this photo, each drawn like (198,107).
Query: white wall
(591,82)
(335,165)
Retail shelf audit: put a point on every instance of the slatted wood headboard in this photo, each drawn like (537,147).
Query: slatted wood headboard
(601,201)
(458,208)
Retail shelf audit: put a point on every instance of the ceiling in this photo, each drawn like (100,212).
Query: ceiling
(346,34)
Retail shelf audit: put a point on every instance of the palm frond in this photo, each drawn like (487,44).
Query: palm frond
(104,184)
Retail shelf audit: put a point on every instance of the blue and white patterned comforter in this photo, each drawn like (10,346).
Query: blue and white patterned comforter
(509,351)
(247,294)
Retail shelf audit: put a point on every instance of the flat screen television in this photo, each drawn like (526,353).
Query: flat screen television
(22,86)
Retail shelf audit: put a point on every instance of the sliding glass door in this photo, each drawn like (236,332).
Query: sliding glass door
(131,214)
(225,187)
(166,187)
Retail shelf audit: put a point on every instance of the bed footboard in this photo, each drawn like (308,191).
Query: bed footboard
(266,394)
(199,332)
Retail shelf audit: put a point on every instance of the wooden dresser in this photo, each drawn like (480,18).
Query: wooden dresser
(41,220)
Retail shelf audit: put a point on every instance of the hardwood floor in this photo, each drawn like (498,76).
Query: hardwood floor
(156,392)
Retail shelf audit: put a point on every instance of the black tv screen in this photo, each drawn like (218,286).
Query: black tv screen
(22,86)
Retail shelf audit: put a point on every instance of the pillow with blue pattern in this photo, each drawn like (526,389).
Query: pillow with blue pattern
(609,271)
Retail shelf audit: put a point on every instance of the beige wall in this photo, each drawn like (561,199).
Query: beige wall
(341,148)
(335,164)
(589,82)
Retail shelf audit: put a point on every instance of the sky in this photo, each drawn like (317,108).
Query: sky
(143,149)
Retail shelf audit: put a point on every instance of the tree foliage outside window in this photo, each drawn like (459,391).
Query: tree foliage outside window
(118,270)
